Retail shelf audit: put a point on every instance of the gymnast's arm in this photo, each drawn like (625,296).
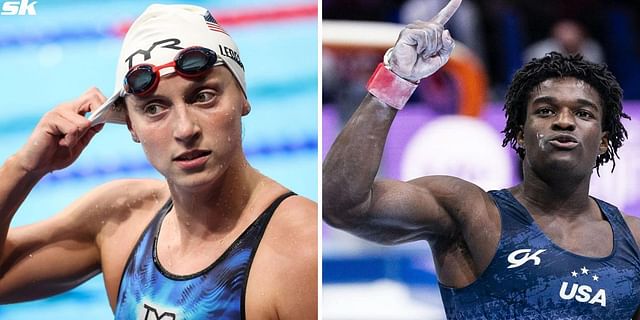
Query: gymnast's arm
(386,211)
(392,211)
(59,253)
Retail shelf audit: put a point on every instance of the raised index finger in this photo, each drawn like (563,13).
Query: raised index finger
(447,12)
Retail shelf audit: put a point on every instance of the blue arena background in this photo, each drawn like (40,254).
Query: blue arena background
(434,133)
(69,46)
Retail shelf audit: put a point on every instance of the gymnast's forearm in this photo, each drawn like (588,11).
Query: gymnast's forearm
(352,163)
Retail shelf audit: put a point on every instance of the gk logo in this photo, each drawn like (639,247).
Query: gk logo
(525,256)
(18,8)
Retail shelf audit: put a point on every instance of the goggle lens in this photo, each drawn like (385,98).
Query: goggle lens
(140,79)
(194,62)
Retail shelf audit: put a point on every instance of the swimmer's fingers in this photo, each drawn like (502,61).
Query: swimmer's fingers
(60,135)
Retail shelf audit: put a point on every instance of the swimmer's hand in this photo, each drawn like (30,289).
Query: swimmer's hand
(423,47)
(61,135)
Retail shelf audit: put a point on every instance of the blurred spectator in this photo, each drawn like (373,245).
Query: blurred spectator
(499,31)
(567,37)
(344,75)
(366,10)
(540,15)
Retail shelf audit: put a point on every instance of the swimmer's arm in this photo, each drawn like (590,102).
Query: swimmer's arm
(51,256)
(15,184)
(31,256)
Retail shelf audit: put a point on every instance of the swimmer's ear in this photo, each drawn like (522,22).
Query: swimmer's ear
(246,107)
(134,136)
(604,142)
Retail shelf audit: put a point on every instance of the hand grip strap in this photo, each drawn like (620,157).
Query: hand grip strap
(390,88)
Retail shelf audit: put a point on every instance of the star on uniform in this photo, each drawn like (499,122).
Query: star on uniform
(584,270)
(595,277)
(574,274)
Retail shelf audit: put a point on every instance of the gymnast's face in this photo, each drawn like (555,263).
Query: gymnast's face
(190,129)
(563,128)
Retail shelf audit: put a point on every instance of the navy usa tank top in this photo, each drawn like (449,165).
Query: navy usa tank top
(149,292)
(530,277)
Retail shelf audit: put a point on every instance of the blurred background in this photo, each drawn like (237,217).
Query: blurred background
(69,46)
(453,121)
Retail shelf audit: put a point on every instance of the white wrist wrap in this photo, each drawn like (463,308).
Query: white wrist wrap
(390,88)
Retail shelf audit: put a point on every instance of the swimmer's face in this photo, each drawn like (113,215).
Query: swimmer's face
(190,129)
(563,128)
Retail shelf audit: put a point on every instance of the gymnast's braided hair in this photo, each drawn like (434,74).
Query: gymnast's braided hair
(555,65)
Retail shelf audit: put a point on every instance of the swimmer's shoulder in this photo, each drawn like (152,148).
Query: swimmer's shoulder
(122,200)
(297,213)
(286,263)
(123,207)
(294,229)
(128,194)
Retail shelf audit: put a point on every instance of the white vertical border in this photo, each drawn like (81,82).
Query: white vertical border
(319,149)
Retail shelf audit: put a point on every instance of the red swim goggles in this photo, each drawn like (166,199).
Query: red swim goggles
(191,62)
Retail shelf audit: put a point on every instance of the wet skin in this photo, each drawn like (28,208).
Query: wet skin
(190,130)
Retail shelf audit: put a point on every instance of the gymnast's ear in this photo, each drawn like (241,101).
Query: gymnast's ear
(520,138)
(604,143)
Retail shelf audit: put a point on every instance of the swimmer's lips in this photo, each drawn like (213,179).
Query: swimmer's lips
(564,142)
(192,159)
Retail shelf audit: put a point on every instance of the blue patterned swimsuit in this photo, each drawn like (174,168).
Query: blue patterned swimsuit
(149,292)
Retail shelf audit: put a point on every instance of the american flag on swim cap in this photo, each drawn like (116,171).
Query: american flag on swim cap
(212,24)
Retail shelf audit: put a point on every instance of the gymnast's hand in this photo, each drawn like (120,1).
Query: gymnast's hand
(423,47)
(61,135)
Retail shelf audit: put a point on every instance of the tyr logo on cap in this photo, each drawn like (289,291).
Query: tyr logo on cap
(171,43)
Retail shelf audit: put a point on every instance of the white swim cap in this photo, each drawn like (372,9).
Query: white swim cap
(157,36)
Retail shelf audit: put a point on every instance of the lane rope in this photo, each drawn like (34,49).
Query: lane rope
(227,18)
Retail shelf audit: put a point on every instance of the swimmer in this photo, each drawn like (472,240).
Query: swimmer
(542,249)
(215,239)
